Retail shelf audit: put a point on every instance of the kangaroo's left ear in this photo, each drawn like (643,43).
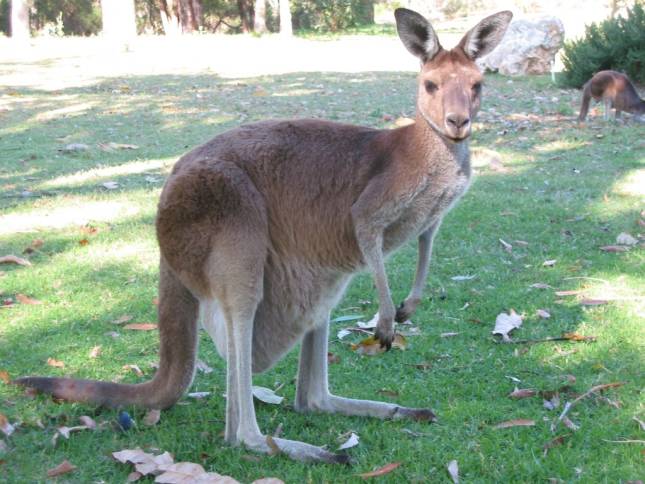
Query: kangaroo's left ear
(485,36)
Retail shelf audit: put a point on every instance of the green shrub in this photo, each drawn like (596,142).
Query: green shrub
(616,43)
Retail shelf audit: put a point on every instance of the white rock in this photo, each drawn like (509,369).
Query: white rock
(529,47)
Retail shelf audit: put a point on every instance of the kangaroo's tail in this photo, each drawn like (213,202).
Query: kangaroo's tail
(586,98)
(178,313)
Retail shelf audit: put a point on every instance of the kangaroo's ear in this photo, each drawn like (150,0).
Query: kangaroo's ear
(485,36)
(417,34)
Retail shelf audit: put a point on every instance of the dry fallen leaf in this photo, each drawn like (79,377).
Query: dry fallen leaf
(540,285)
(352,441)
(507,247)
(4,376)
(626,239)
(453,470)
(463,278)
(123,319)
(448,335)
(370,346)
(267,395)
(62,468)
(549,263)
(134,368)
(518,422)
(522,393)
(5,426)
(152,417)
(24,299)
(578,337)
(55,363)
(88,422)
(116,146)
(110,185)
(567,293)
(95,352)
(543,313)
(593,302)
(505,323)
(559,440)
(12,259)
(332,358)
(382,471)
(141,326)
(203,367)
(615,248)
(144,462)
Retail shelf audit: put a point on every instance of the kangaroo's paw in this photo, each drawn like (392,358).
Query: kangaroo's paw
(384,332)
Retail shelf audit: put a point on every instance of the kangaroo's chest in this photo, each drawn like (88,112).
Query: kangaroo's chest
(434,198)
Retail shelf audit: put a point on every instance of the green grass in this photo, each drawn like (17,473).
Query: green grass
(566,191)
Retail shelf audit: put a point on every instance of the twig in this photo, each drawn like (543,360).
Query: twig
(542,340)
(569,405)
(626,441)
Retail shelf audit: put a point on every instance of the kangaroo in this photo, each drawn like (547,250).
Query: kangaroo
(262,228)
(616,90)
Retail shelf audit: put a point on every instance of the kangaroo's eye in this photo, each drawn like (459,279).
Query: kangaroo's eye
(431,87)
(477,87)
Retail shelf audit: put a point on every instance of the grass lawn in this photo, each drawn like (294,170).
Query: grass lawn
(563,191)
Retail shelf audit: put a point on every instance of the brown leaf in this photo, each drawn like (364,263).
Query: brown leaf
(123,319)
(615,248)
(370,346)
(35,245)
(382,471)
(578,337)
(12,259)
(62,468)
(5,426)
(399,342)
(332,358)
(567,293)
(593,302)
(24,299)
(4,376)
(152,417)
(543,313)
(389,393)
(141,326)
(88,422)
(134,368)
(55,363)
(522,393)
(134,476)
(83,242)
(559,440)
(518,422)
(95,352)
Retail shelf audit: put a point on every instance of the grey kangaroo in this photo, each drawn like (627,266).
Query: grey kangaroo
(616,91)
(261,229)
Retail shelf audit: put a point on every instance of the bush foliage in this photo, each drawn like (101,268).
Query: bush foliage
(616,43)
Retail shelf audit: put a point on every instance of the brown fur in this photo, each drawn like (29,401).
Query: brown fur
(262,228)
(616,90)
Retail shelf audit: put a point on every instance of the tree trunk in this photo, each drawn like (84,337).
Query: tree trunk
(246,14)
(119,21)
(260,20)
(285,19)
(190,15)
(19,19)
(169,12)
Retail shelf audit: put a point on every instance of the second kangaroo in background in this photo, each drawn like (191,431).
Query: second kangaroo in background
(616,90)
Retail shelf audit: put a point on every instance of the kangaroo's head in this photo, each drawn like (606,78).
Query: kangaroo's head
(450,83)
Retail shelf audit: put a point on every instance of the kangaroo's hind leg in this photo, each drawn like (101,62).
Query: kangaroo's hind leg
(234,275)
(312,392)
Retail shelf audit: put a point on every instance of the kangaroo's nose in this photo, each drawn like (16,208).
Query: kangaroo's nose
(457,121)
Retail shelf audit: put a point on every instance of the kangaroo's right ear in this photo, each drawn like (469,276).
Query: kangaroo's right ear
(417,34)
